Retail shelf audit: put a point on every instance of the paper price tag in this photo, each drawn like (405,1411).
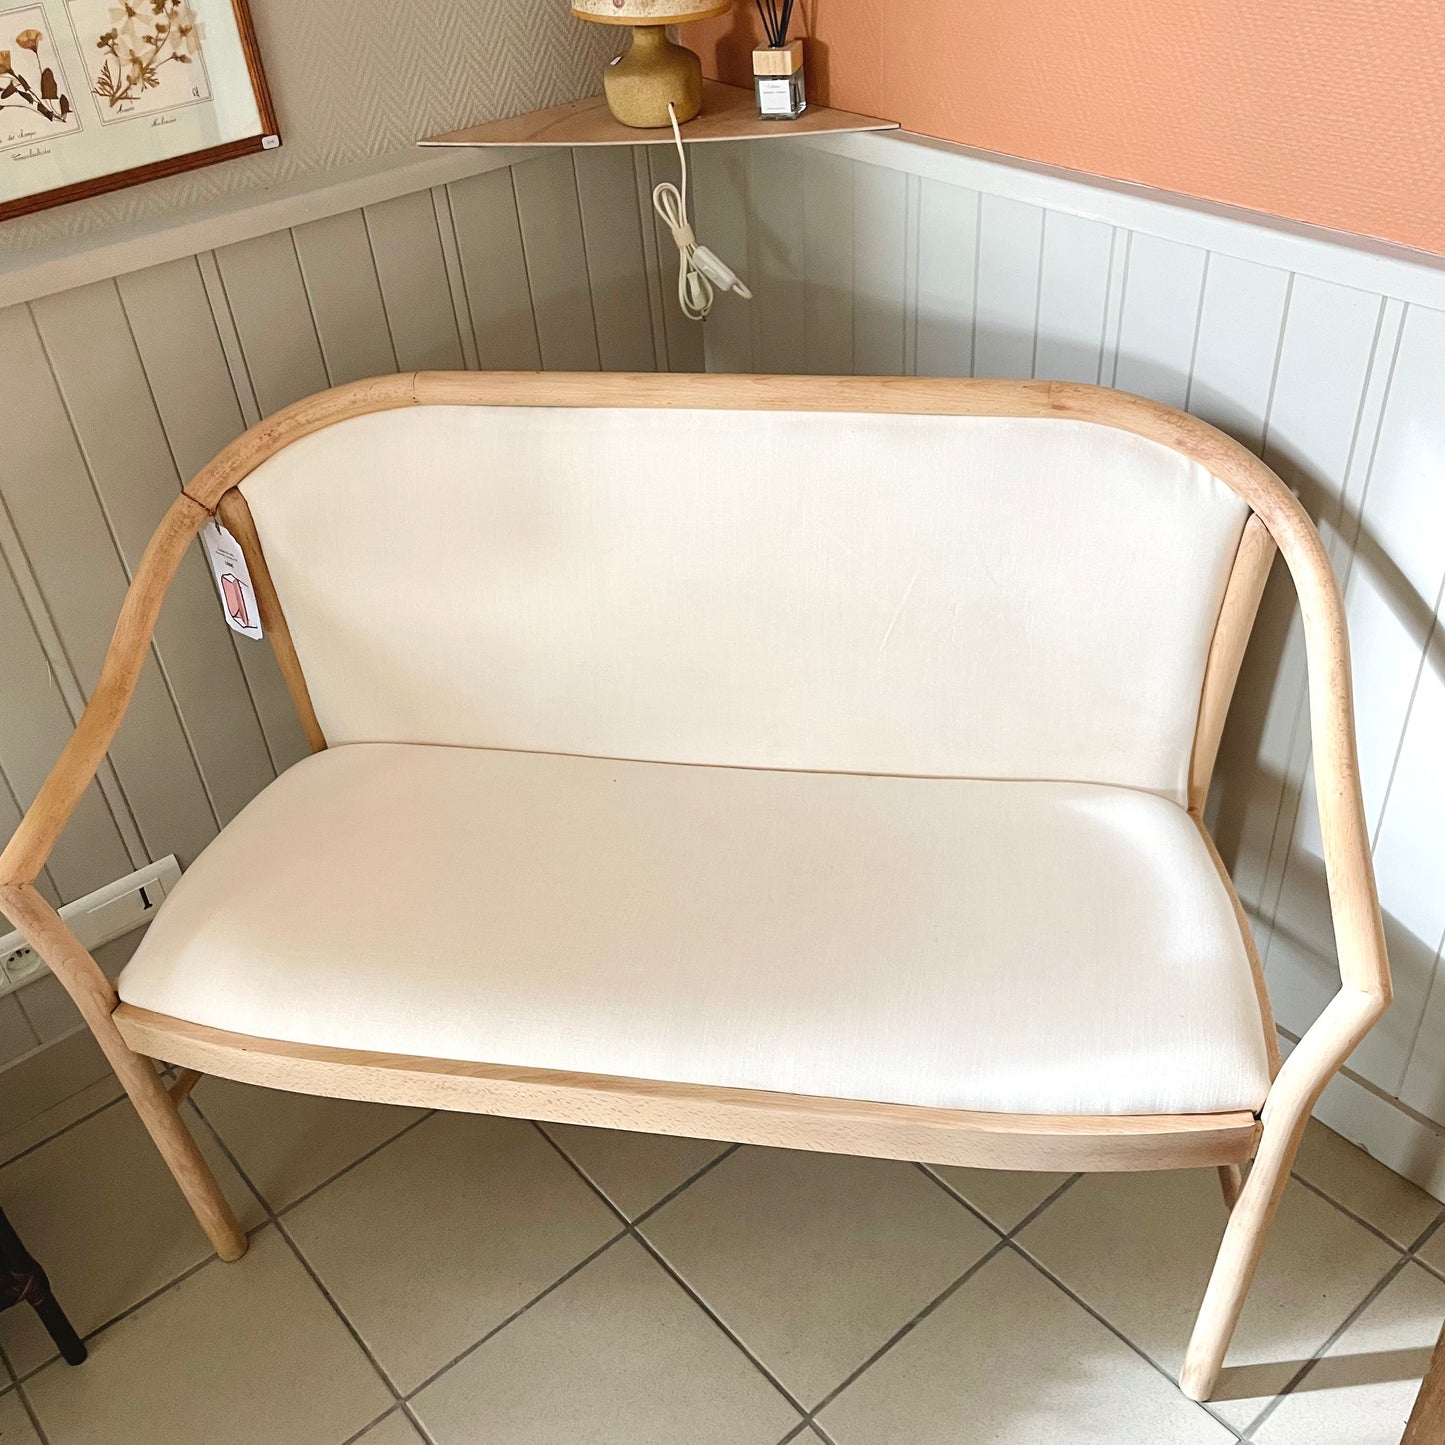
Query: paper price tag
(233,578)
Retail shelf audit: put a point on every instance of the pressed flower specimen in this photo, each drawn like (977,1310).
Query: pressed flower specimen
(144,35)
(42,96)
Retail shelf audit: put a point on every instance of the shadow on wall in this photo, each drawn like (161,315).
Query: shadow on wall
(1247,787)
(1262,662)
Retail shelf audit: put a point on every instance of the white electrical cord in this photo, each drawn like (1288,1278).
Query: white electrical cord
(698,269)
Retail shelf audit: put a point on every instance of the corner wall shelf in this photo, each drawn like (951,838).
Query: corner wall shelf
(728,113)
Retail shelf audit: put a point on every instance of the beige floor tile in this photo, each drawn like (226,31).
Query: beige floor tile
(40,1127)
(1011,1360)
(1139,1248)
(16,1035)
(15,1426)
(101,1212)
(1364,1186)
(50,1076)
(619,1355)
(816,1259)
(290,1143)
(445,1232)
(1362,1391)
(234,1355)
(633,1170)
(1004,1196)
(396,1429)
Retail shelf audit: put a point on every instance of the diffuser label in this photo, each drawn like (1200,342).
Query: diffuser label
(775,97)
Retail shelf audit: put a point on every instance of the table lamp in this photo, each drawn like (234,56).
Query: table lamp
(653,71)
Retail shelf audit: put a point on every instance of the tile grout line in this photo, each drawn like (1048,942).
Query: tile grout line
(632,1231)
(1009,1240)
(346,1168)
(284,1233)
(943,1296)
(1045,1203)
(350,1328)
(1320,1192)
(1350,1319)
(516,1314)
(29,1409)
(667,1198)
(1114,1330)
(685,1185)
(127,1312)
(795,1432)
(64,1128)
(1426,1235)
(16,1388)
(630,1227)
(386,1414)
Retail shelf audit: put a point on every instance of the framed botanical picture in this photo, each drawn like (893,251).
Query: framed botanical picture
(95,94)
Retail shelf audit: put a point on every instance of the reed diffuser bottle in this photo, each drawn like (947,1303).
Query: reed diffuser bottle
(778,66)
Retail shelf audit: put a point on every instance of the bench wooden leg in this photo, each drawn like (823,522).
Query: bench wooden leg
(161,1116)
(1231,1180)
(96,999)
(1244,1239)
(1427,1420)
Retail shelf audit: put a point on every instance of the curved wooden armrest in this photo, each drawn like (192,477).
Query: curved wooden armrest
(24,856)
(1349,867)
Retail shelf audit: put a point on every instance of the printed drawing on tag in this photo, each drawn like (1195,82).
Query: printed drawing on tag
(234,591)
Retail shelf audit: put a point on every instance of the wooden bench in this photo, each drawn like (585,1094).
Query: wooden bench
(816,762)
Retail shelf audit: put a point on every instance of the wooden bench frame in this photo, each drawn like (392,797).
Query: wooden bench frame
(132,1038)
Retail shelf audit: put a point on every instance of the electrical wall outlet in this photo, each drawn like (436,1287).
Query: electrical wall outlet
(19,965)
(128,903)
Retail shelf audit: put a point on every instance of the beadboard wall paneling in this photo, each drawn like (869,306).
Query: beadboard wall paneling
(865,254)
(611,246)
(128,386)
(1323,359)
(417,292)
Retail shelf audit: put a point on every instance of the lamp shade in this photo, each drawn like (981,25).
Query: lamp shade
(648,12)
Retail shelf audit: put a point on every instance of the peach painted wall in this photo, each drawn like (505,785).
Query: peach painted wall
(1327,111)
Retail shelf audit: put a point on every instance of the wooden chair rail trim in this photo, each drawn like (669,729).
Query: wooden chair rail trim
(894,1131)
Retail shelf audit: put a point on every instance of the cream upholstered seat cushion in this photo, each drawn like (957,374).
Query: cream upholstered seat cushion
(1012,946)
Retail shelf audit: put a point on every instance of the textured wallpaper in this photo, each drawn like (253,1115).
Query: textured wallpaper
(358,78)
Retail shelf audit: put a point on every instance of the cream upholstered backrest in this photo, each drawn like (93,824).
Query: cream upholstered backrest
(974,596)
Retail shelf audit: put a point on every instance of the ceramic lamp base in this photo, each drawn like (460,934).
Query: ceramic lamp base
(653,72)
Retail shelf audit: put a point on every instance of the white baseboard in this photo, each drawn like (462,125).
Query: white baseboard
(1397,1137)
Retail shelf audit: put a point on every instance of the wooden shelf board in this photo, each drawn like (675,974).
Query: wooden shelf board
(728,113)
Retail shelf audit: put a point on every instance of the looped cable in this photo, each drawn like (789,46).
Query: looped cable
(694,290)
(699,270)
